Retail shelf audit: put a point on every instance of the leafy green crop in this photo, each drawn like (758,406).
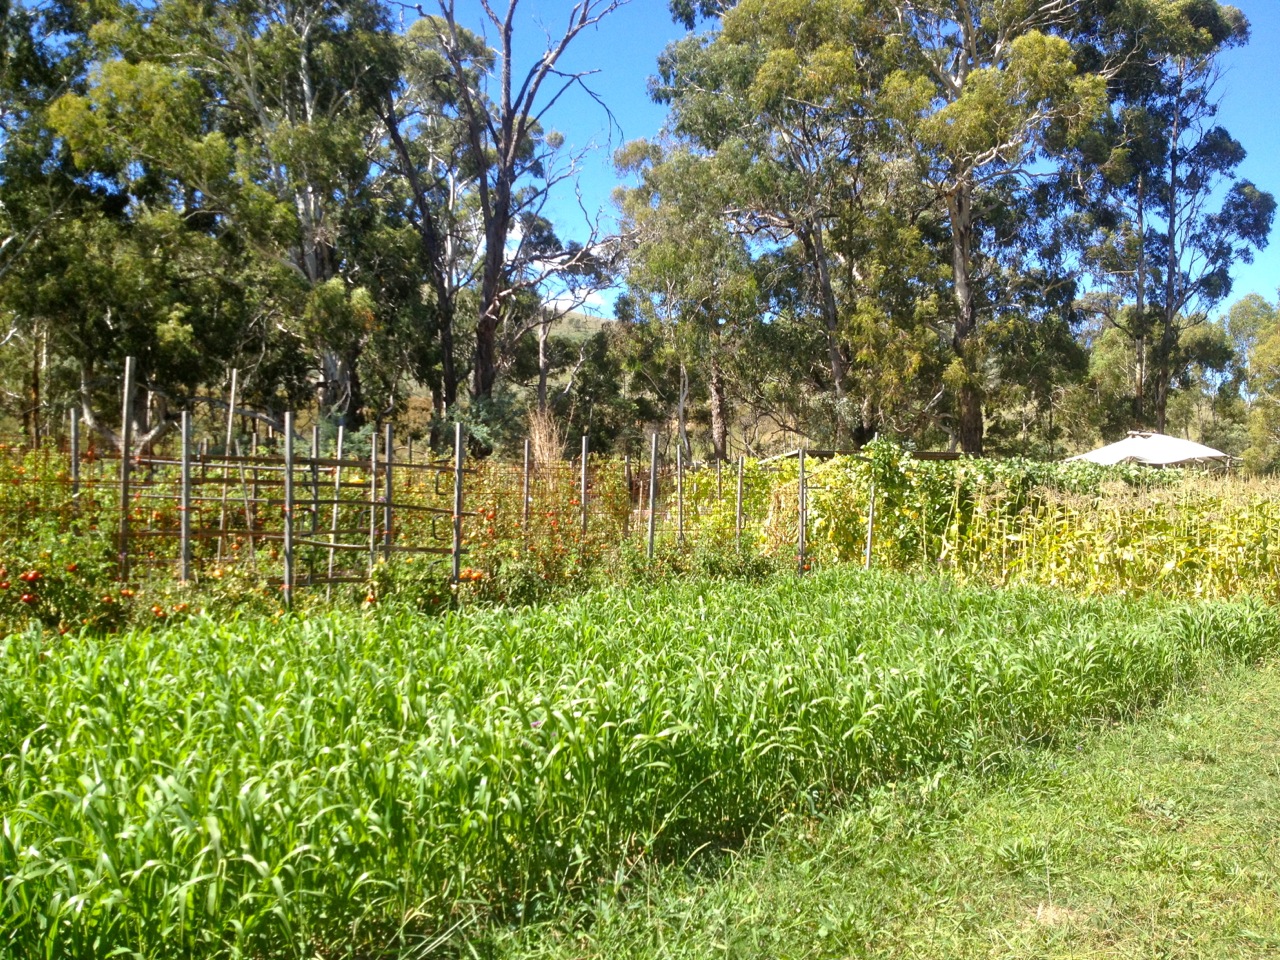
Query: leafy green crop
(352,784)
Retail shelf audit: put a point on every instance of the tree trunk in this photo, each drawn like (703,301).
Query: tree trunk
(436,256)
(719,422)
(969,426)
(497,230)
(681,404)
(544,364)
(810,236)
(341,392)
(1140,296)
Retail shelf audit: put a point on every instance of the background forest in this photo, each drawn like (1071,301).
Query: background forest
(991,225)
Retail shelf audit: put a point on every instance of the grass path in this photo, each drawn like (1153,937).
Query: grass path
(1158,839)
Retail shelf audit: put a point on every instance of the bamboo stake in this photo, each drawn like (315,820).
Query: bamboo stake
(457,502)
(582,492)
(388,450)
(653,491)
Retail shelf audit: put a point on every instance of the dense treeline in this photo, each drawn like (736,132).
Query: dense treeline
(992,225)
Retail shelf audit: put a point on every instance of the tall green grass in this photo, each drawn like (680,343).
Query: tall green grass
(354,785)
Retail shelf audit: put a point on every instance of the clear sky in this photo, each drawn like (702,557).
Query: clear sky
(624,48)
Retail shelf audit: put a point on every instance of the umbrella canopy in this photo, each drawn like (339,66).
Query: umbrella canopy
(1152,449)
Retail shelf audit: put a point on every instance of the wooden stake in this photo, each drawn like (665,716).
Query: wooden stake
(582,487)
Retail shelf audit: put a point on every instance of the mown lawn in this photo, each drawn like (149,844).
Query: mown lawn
(1155,839)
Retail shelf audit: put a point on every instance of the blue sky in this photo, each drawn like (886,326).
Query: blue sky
(624,48)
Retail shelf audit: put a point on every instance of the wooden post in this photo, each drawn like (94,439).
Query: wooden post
(126,450)
(75,451)
(457,502)
(653,491)
(582,486)
(738,510)
(525,515)
(184,508)
(719,481)
(680,492)
(871,523)
(373,500)
(802,517)
(388,451)
(287,587)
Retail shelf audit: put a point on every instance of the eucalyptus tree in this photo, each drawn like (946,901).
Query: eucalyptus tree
(986,92)
(251,123)
(687,273)
(514,160)
(1165,216)
(782,101)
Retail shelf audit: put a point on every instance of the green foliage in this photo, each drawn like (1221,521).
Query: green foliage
(369,781)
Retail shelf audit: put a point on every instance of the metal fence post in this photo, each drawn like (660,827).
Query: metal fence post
(653,491)
(457,502)
(184,509)
(388,451)
(75,451)
(126,448)
(680,492)
(802,517)
(287,586)
(738,509)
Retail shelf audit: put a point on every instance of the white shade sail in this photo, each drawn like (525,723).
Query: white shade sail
(1152,449)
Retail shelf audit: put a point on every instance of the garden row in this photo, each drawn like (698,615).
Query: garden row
(354,784)
(533,532)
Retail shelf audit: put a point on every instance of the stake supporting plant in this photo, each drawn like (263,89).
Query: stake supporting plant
(653,491)
(126,446)
(287,587)
(184,508)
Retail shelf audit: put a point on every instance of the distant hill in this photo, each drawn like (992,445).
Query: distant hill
(577,326)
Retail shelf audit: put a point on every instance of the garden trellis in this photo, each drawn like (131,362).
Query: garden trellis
(298,513)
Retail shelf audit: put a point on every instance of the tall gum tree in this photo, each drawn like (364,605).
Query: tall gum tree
(503,109)
(986,90)
(1164,216)
(261,115)
(781,100)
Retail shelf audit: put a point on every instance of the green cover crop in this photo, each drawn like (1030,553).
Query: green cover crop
(354,784)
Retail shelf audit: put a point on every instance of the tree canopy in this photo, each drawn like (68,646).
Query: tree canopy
(996,226)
